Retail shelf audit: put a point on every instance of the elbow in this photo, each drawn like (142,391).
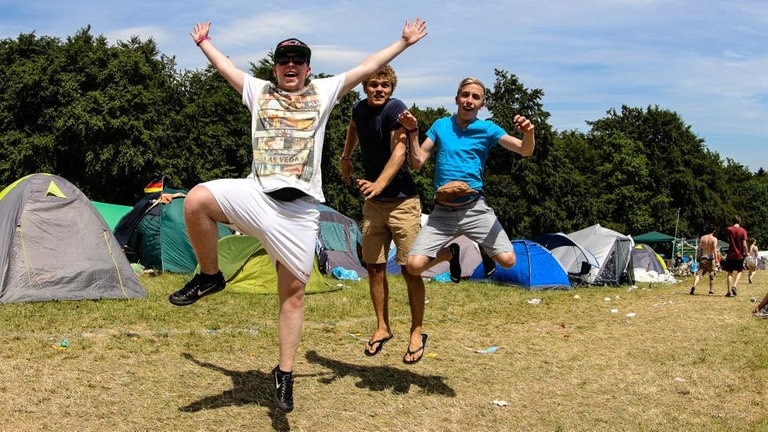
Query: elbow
(416,164)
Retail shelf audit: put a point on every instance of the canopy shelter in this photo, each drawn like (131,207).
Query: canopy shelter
(662,243)
(653,237)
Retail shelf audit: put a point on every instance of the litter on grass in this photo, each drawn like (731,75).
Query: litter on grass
(534,301)
(489,350)
(631,314)
(357,336)
(499,402)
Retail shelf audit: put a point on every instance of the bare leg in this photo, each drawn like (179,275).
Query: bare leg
(418,264)
(505,259)
(736,279)
(763,303)
(290,316)
(379,289)
(416,299)
(201,212)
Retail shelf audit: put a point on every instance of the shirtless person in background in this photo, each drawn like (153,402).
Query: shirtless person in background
(707,252)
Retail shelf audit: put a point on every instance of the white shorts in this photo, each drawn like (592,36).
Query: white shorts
(287,230)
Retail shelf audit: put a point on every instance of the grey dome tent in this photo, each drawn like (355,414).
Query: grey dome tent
(54,245)
(612,249)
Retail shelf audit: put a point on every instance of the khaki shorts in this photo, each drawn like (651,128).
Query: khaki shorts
(387,221)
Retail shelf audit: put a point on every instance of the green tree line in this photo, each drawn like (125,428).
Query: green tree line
(110,118)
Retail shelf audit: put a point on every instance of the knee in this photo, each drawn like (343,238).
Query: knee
(506,259)
(414,265)
(196,199)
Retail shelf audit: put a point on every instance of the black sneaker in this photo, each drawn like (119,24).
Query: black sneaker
(200,286)
(283,389)
(693,291)
(455,263)
(733,290)
(489,265)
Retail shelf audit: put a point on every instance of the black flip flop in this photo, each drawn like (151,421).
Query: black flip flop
(419,349)
(380,345)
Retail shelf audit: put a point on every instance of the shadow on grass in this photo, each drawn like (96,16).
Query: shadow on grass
(380,378)
(248,388)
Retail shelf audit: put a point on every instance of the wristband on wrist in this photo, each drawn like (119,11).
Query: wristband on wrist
(344,157)
(204,38)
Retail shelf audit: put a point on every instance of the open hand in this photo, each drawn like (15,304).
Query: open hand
(415,31)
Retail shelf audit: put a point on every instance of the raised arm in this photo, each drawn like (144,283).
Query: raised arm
(350,143)
(525,146)
(219,61)
(412,33)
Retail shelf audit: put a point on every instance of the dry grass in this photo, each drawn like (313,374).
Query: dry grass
(567,364)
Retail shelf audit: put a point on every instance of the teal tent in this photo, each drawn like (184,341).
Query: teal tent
(112,213)
(154,233)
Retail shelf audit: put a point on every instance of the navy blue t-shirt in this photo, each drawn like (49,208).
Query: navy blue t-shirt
(374,126)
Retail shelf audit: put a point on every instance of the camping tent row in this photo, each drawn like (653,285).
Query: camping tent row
(600,256)
(154,234)
(56,244)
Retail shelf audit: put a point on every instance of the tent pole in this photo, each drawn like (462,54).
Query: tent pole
(674,243)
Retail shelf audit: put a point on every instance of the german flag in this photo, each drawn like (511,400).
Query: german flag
(155,185)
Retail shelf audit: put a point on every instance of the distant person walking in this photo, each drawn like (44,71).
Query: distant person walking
(736,236)
(707,251)
(750,263)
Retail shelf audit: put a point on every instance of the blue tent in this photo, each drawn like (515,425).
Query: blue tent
(536,269)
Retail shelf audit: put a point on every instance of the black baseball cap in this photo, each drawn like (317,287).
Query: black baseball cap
(292,46)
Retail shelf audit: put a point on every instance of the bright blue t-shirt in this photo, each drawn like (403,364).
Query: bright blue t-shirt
(461,154)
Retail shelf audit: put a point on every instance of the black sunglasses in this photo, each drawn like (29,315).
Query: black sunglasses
(297,60)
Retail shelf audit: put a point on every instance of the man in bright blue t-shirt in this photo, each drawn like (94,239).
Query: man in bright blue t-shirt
(461,144)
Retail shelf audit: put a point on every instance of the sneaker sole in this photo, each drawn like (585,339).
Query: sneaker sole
(178,302)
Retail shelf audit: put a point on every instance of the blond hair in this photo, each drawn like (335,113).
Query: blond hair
(470,80)
(386,72)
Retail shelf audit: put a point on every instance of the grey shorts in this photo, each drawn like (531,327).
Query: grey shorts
(475,220)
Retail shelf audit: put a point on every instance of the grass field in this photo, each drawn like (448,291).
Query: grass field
(644,358)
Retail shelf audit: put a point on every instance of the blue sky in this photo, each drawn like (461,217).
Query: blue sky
(705,60)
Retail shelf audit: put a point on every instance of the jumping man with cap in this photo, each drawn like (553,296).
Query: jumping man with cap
(277,202)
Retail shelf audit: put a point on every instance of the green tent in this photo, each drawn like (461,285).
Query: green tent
(112,213)
(247,268)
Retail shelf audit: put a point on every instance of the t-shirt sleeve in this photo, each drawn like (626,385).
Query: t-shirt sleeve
(251,88)
(433,130)
(394,108)
(495,132)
